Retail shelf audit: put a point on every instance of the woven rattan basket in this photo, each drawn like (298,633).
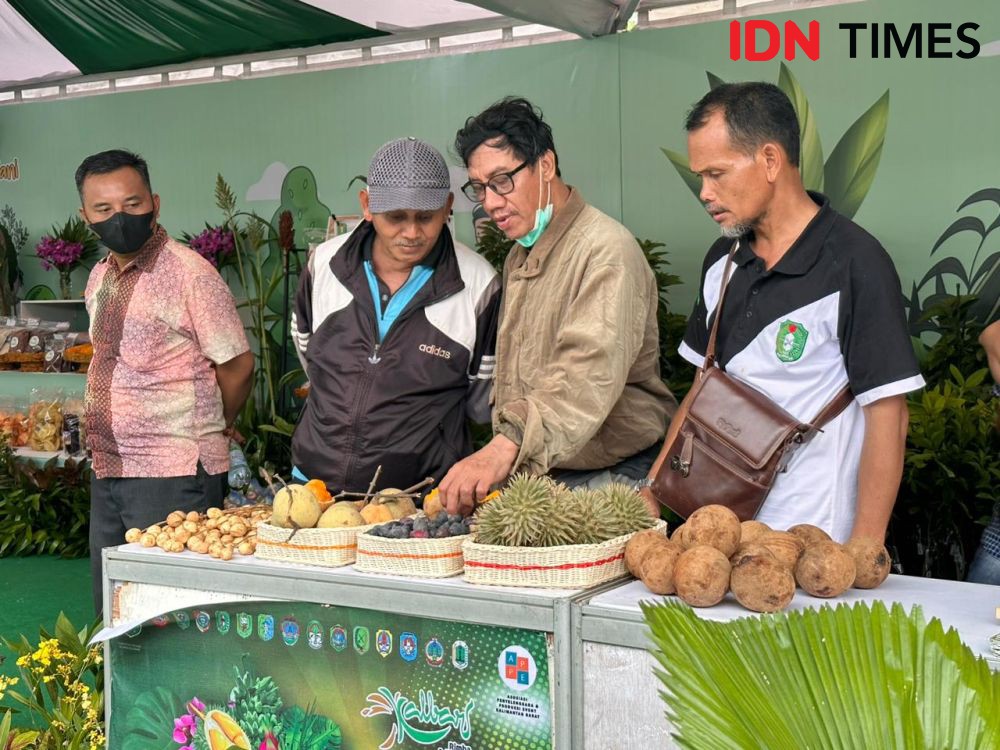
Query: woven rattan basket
(573,566)
(420,558)
(330,548)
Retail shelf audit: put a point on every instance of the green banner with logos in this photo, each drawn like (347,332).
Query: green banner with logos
(298,676)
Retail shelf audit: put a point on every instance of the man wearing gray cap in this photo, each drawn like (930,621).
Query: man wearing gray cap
(395,325)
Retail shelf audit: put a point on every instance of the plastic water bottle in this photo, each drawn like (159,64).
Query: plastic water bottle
(239,470)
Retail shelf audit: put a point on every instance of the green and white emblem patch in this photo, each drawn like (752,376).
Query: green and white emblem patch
(791,341)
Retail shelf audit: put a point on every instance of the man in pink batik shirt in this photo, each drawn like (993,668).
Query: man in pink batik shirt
(171,368)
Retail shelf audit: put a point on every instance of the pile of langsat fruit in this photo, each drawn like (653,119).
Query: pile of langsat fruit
(219,533)
(714,553)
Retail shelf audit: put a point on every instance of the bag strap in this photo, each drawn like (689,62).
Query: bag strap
(710,350)
(832,409)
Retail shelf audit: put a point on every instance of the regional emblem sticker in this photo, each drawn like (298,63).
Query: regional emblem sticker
(183,619)
(244,625)
(265,627)
(161,621)
(383,642)
(362,639)
(314,635)
(408,646)
(338,638)
(290,631)
(791,341)
(460,654)
(222,622)
(202,621)
(434,652)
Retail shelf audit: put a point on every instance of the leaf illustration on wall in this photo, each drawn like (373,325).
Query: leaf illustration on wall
(810,150)
(950,276)
(680,163)
(847,175)
(851,168)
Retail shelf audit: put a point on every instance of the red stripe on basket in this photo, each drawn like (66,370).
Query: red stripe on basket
(564,566)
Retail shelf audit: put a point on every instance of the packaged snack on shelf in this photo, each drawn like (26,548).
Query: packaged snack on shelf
(45,420)
(73,435)
(13,422)
(55,349)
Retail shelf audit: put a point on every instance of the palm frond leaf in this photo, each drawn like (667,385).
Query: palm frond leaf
(846,677)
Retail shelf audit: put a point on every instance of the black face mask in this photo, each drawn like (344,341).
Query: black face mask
(124,233)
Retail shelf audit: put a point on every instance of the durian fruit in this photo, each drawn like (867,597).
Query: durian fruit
(518,516)
(295,507)
(571,518)
(582,507)
(622,510)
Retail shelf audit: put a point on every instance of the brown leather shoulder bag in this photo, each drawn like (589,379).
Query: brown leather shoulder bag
(733,440)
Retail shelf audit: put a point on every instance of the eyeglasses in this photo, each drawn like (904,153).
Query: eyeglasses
(501,184)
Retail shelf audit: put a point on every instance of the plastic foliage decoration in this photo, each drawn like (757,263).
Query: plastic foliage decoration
(850,677)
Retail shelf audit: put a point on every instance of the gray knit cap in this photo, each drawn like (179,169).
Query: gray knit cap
(407,174)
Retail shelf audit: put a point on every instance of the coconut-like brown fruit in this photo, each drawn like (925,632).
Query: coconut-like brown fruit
(716,526)
(751,530)
(678,536)
(701,576)
(825,569)
(758,581)
(872,561)
(809,534)
(657,567)
(786,547)
(639,546)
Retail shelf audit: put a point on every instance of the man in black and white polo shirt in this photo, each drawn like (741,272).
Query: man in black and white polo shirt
(813,303)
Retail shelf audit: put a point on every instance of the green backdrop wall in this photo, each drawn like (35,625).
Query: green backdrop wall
(612,102)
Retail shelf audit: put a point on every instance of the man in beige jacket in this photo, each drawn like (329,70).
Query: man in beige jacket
(577,390)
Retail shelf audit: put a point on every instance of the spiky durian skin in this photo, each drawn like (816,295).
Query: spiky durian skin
(561,525)
(624,510)
(519,516)
(580,507)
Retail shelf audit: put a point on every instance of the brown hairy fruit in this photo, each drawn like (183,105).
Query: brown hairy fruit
(639,546)
(759,582)
(751,530)
(825,569)
(716,526)
(809,534)
(872,561)
(701,576)
(678,537)
(657,570)
(786,547)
